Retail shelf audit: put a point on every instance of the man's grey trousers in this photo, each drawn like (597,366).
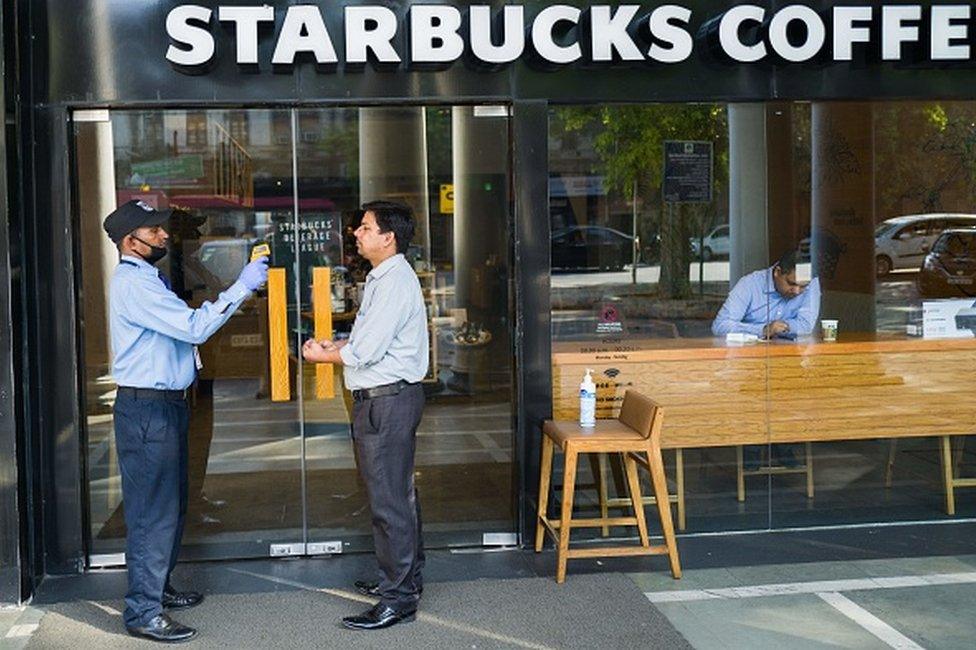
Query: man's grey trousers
(384,432)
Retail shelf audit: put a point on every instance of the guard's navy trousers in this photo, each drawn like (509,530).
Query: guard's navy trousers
(151,437)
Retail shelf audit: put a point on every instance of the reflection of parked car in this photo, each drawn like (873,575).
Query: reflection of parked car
(950,267)
(902,242)
(715,244)
(595,247)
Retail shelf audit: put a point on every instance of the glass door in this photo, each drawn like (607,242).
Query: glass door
(451,165)
(271,464)
(228,176)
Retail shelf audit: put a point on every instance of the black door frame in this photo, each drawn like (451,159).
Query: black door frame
(56,336)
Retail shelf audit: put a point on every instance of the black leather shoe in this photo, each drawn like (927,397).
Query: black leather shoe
(173,599)
(206,503)
(379,617)
(786,458)
(373,588)
(751,458)
(202,519)
(368,588)
(164,629)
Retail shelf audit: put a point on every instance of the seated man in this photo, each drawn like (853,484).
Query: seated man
(770,303)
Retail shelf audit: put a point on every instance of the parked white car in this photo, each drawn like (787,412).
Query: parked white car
(903,242)
(715,243)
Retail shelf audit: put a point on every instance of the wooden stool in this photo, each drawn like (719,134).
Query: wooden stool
(636,431)
(741,472)
(949,479)
(950,457)
(600,468)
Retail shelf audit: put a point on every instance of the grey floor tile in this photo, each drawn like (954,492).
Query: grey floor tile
(806,572)
(935,617)
(917,566)
(8,615)
(17,626)
(794,622)
(690,579)
(803,572)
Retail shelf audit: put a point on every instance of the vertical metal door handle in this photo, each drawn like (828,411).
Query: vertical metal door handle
(322,309)
(278,335)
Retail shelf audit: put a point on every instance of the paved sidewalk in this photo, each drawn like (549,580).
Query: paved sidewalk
(899,603)
(508,599)
(494,599)
(595,611)
(18,625)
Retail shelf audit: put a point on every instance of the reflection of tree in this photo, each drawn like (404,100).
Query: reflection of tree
(802,165)
(926,154)
(439,151)
(338,143)
(839,158)
(629,141)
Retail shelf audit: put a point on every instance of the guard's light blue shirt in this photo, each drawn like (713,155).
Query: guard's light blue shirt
(389,338)
(154,331)
(754,302)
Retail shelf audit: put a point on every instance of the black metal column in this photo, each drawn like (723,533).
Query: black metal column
(54,341)
(530,127)
(10,524)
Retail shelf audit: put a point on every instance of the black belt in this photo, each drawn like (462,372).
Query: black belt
(151,393)
(361,394)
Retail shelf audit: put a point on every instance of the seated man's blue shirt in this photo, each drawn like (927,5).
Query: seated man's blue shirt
(754,302)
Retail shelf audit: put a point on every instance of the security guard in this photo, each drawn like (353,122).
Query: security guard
(154,339)
(384,360)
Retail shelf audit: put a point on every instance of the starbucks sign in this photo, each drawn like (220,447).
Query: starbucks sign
(439,35)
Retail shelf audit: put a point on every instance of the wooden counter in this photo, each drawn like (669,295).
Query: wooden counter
(715,394)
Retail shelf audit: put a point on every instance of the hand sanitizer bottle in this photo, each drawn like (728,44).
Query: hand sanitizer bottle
(587,401)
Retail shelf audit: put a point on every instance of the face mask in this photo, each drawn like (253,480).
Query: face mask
(157,252)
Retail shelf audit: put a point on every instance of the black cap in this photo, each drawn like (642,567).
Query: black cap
(132,215)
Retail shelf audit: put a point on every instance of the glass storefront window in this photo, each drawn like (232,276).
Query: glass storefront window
(638,273)
(887,182)
(846,414)
(663,217)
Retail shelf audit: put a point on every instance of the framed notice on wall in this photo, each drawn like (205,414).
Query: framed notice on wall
(687,171)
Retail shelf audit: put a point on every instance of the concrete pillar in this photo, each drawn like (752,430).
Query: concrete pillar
(842,197)
(393,162)
(95,169)
(96,198)
(748,222)
(481,204)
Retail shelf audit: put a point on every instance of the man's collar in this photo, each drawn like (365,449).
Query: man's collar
(385,266)
(770,284)
(138,261)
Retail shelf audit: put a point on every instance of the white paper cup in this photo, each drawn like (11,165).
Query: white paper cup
(828,329)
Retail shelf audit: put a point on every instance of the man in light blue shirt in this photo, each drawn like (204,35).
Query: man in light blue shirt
(154,339)
(383,361)
(389,339)
(770,303)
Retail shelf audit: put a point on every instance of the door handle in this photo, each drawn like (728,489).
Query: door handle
(278,335)
(322,315)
